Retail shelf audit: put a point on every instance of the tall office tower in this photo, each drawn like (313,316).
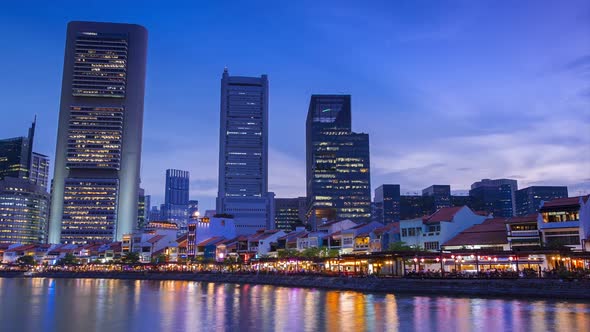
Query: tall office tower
(141,210)
(155,214)
(441,195)
(98,151)
(243,153)
(528,200)
(337,162)
(23,211)
(495,196)
(40,170)
(387,203)
(176,197)
(193,210)
(288,213)
(148,207)
(15,155)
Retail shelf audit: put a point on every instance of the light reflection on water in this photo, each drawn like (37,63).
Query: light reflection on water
(119,305)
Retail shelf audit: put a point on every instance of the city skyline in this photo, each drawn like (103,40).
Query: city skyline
(502,123)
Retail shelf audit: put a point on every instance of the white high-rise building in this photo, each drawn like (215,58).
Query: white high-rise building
(243,153)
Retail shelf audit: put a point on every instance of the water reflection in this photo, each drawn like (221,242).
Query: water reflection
(118,305)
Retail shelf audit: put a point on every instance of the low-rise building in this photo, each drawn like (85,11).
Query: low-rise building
(523,232)
(490,234)
(565,222)
(264,241)
(431,232)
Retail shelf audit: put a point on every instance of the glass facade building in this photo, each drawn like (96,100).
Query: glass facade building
(337,163)
(441,195)
(243,153)
(528,200)
(176,197)
(289,213)
(98,152)
(15,155)
(23,211)
(494,196)
(416,206)
(40,170)
(387,203)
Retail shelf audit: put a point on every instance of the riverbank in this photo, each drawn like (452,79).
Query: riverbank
(538,288)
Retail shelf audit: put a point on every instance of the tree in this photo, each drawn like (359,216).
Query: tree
(288,253)
(69,259)
(131,258)
(161,258)
(402,246)
(311,252)
(26,260)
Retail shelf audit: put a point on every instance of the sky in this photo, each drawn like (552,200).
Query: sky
(450,92)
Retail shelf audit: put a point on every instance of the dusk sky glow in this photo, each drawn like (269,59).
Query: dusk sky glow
(449,93)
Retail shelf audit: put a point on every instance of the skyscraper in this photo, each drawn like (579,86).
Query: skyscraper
(528,200)
(141,210)
(40,170)
(387,203)
(193,210)
(337,162)
(15,155)
(24,201)
(243,153)
(98,151)
(495,196)
(441,195)
(176,197)
(288,213)
(23,211)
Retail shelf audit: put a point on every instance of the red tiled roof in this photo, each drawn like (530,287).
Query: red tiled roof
(211,240)
(182,238)
(292,236)
(491,231)
(22,248)
(443,214)
(262,235)
(389,227)
(566,201)
(156,239)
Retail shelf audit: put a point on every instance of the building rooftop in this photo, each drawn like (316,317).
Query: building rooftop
(211,241)
(491,231)
(443,214)
(565,202)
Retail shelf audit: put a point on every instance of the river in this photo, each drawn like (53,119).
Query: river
(107,305)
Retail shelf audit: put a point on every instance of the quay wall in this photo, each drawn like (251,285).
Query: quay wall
(514,288)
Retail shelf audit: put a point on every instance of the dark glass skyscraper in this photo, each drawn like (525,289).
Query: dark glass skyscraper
(337,162)
(288,213)
(387,203)
(98,151)
(176,197)
(528,200)
(23,211)
(243,153)
(16,154)
(441,195)
(39,173)
(416,206)
(494,196)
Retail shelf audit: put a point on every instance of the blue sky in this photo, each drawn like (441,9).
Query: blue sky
(450,91)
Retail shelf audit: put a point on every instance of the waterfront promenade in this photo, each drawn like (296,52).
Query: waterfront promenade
(500,287)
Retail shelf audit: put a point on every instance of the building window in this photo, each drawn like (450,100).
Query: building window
(431,245)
